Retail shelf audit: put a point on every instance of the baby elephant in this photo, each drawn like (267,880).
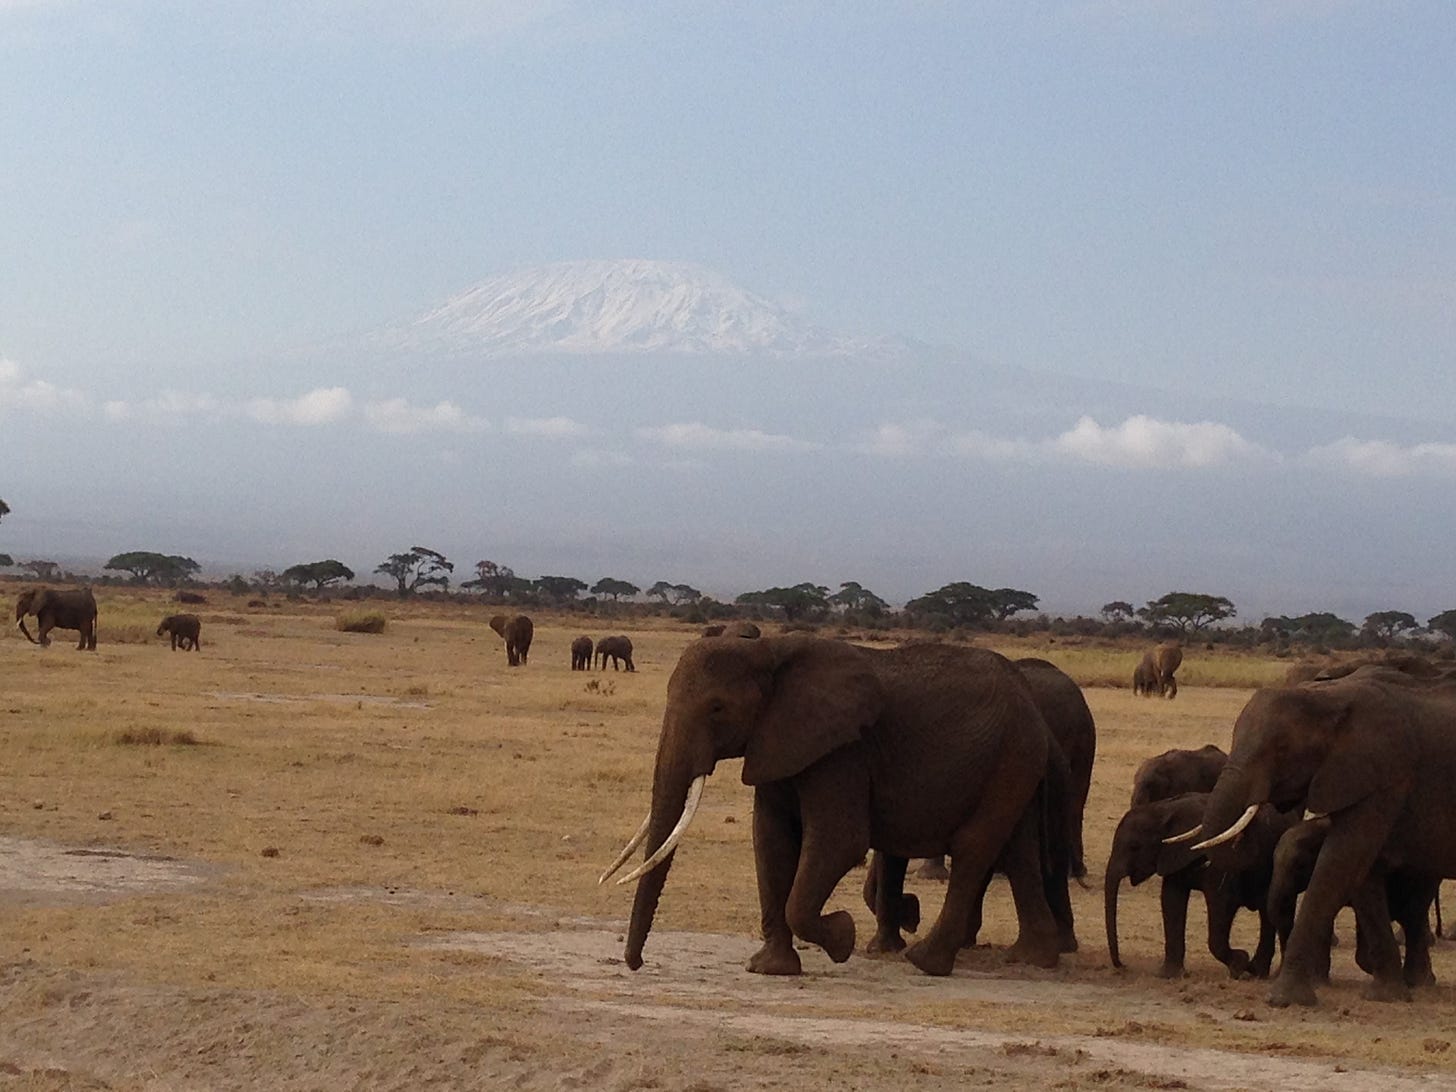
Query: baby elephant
(1175,772)
(581,654)
(186,631)
(1140,850)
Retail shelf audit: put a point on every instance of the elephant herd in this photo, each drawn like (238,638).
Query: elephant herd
(928,749)
(76,609)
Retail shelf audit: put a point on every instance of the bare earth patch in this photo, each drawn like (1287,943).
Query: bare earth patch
(37,873)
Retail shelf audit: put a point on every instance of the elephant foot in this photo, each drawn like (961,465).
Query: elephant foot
(1420,977)
(909,913)
(775,959)
(1259,968)
(933,868)
(931,959)
(883,943)
(1288,991)
(1237,963)
(1066,941)
(838,930)
(1035,953)
(1385,989)
(1171,970)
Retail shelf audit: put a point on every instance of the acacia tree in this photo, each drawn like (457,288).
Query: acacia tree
(1445,622)
(42,570)
(416,568)
(1316,628)
(320,574)
(4,509)
(800,601)
(674,593)
(147,566)
(614,588)
(498,581)
(6,561)
(1117,611)
(1187,611)
(854,596)
(560,589)
(1385,626)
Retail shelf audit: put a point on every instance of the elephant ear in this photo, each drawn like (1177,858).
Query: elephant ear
(1367,739)
(822,696)
(1176,857)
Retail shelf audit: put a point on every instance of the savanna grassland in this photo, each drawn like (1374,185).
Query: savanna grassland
(304,858)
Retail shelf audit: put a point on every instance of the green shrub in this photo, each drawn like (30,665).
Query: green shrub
(360,621)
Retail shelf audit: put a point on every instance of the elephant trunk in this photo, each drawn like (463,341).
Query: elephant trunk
(1229,805)
(675,787)
(20,625)
(1116,871)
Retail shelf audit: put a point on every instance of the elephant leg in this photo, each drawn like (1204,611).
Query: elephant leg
(1039,940)
(1264,953)
(777,841)
(1345,858)
(1412,907)
(833,797)
(43,627)
(1173,900)
(1222,905)
(933,868)
(978,910)
(1375,948)
(884,892)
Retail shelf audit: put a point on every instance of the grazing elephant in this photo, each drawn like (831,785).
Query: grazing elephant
(915,750)
(70,609)
(516,630)
(1374,751)
(1158,665)
(1175,772)
(186,631)
(1402,897)
(619,648)
(732,629)
(1141,848)
(581,654)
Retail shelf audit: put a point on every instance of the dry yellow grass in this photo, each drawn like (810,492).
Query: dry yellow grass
(409,785)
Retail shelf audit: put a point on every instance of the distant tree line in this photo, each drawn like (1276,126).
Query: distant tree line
(958,606)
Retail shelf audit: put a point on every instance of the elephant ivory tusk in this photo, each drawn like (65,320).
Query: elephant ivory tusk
(1233,831)
(1186,836)
(631,845)
(695,794)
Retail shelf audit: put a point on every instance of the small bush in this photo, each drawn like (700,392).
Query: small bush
(361,621)
(155,737)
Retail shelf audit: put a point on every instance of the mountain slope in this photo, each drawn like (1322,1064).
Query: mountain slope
(628,306)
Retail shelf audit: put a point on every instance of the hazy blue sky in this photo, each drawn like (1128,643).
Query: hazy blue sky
(1251,202)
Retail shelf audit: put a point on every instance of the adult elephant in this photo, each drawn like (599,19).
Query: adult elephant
(1066,713)
(516,630)
(581,654)
(1141,848)
(618,649)
(1376,753)
(1158,664)
(915,750)
(67,609)
(1144,678)
(1177,771)
(185,630)
(1399,896)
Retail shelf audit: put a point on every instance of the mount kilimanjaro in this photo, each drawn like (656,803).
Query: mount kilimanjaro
(618,307)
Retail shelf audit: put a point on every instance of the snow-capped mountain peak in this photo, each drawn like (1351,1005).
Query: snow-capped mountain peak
(609,307)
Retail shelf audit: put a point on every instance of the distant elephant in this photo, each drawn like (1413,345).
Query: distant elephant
(915,750)
(1400,896)
(70,609)
(619,648)
(516,630)
(186,631)
(1141,848)
(732,629)
(1375,752)
(581,654)
(1144,678)
(1175,772)
(1158,664)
